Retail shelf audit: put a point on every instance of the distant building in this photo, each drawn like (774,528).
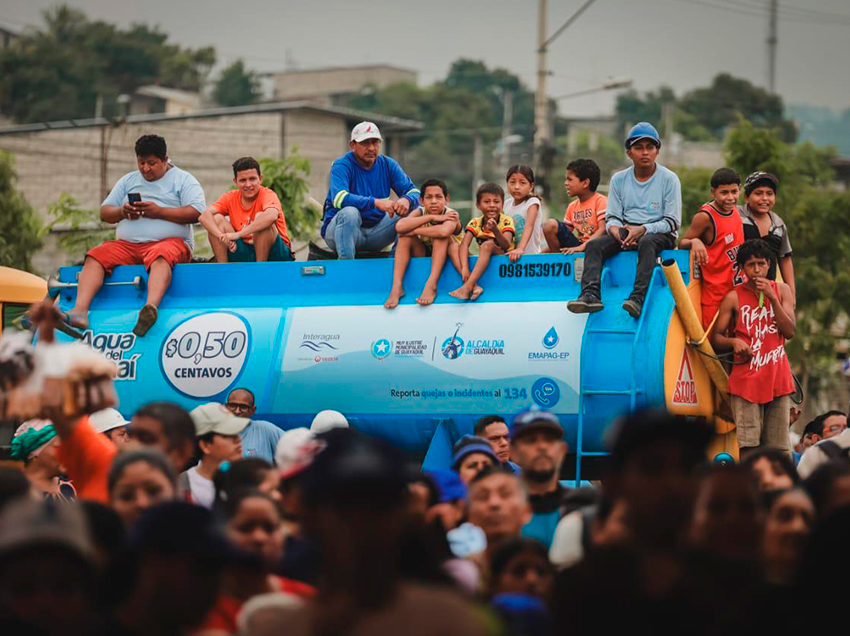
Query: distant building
(148,100)
(86,157)
(328,85)
(8,33)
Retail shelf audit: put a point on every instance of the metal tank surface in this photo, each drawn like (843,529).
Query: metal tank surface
(311,336)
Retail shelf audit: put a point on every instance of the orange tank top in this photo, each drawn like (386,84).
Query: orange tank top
(720,273)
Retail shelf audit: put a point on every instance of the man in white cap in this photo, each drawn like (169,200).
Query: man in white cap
(112,425)
(217,435)
(359,214)
(327,420)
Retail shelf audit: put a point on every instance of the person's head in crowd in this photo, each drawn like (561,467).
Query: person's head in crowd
(538,446)
(450,501)
(582,177)
(498,504)
(35,443)
(610,524)
(494,429)
(521,566)
(490,199)
(217,434)
(112,424)
(365,143)
(760,189)
(249,472)
(726,519)
(829,486)
(726,188)
(167,428)
(13,485)
(642,145)
(248,178)
(138,480)
(254,524)
(48,577)
(471,455)
(240,402)
(834,423)
(421,494)
(327,420)
(654,468)
(152,157)
(175,556)
(772,468)
(787,526)
(296,450)
(812,433)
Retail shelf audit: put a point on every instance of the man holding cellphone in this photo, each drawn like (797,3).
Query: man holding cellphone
(154,208)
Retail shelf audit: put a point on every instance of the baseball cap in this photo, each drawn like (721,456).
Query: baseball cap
(760,178)
(34,524)
(326,420)
(469,444)
(535,419)
(107,419)
(296,450)
(449,486)
(365,130)
(215,418)
(642,130)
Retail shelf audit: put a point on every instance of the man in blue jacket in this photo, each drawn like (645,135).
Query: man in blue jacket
(359,215)
(644,214)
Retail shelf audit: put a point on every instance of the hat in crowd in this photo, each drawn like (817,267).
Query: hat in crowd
(633,431)
(106,420)
(642,130)
(326,420)
(215,418)
(449,485)
(365,130)
(25,524)
(469,444)
(535,419)
(759,178)
(30,439)
(296,450)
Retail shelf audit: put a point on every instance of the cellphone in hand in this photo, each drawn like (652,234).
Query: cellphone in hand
(134,197)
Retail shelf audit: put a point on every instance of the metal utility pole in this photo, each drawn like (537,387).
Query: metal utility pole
(772,38)
(507,124)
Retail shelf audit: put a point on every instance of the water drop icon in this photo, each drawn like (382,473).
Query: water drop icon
(551,339)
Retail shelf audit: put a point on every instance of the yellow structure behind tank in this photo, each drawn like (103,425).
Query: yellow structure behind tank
(18,290)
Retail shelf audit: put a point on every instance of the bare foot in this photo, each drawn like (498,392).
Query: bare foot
(394,297)
(429,293)
(461,293)
(476,293)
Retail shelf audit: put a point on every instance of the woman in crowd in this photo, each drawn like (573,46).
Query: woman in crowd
(35,444)
(139,480)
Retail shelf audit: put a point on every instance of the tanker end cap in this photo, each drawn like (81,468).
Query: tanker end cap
(328,420)
(631,432)
(215,418)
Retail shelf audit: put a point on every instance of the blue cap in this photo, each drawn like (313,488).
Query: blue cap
(469,444)
(535,419)
(642,130)
(449,486)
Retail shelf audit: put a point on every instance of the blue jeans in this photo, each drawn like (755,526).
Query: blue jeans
(345,236)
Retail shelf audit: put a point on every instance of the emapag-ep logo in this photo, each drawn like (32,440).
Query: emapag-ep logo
(204,355)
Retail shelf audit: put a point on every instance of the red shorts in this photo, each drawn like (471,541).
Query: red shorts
(120,252)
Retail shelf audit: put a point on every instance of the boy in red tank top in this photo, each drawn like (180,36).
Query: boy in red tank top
(755,319)
(714,236)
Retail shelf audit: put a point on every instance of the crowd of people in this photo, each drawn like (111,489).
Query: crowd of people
(179,522)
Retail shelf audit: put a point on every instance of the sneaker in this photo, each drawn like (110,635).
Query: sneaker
(147,318)
(585,304)
(633,307)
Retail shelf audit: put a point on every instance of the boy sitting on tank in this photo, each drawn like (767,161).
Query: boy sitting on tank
(433,229)
(493,231)
(247,225)
(644,214)
(714,237)
(755,320)
(584,218)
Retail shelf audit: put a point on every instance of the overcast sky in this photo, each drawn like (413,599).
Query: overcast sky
(683,43)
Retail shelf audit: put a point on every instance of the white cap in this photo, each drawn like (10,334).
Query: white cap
(215,418)
(295,451)
(107,419)
(365,130)
(327,420)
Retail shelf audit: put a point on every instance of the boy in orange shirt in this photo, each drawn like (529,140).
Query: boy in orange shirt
(585,217)
(247,225)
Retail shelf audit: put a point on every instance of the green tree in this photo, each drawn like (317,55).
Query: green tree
(288,178)
(20,228)
(632,108)
(78,229)
(58,71)
(237,86)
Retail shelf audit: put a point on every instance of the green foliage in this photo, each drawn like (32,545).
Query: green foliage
(288,178)
(696,190)
(632,108)
(236,86)
(79,229)
(21,231)
(57,72)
